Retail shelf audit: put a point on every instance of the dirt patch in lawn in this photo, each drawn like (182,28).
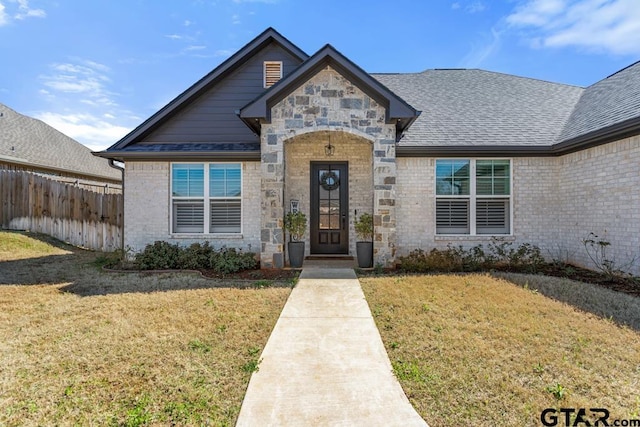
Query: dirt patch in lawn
(80,346)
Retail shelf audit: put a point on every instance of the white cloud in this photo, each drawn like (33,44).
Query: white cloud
(256,1)
(475,7)
(82,77)
(610,26)
(94,132)
(223,52)
(173,36)
(479,54)
(24,11)
(472,7)
(195,47)
(4,18)
(235,19)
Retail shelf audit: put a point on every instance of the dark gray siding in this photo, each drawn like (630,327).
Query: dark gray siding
(211,117)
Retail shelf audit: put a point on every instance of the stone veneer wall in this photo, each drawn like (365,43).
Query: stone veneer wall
(327,102)
(301,150)
(147,202)
(557,202)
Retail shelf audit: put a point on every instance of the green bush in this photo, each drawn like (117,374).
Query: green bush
(159,256)
(166,256)
(195,256)
(499,255)
(227,261)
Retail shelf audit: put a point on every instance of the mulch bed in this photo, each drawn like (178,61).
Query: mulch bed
(626,284)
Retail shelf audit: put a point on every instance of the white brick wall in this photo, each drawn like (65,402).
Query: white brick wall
(600,193)
(147,201)
(557,202)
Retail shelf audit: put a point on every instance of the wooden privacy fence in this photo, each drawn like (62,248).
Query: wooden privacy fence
(72,214)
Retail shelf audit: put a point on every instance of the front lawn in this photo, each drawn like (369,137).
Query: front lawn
(478,350)
(79,346)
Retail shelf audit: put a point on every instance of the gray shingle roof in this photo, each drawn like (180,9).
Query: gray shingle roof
(608,102)
(26,140)
(476,107)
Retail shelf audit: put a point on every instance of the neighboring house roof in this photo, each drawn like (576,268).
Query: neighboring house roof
(32,144)
(397,109)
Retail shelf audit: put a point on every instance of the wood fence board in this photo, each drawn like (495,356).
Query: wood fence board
(66,211)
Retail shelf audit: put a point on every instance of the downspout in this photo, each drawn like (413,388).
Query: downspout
(121,169)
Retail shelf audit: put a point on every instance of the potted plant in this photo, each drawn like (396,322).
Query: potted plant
(296,224)
(364,245)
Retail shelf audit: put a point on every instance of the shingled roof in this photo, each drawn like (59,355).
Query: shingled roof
(463,107)
(610,102)
(33,144)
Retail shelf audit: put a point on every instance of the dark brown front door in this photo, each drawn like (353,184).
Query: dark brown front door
(329,208)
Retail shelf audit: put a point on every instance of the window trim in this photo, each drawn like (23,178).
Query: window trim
(206,200)
(472,197)
(264,72)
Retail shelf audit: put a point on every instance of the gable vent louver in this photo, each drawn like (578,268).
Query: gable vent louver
(272,73)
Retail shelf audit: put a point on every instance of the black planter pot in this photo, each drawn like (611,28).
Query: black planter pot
(364,251)
(296,254)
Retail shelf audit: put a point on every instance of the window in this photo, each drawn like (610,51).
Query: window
(220,211)
(272,72)
(473,196)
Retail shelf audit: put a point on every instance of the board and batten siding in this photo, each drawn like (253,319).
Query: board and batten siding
(212,117)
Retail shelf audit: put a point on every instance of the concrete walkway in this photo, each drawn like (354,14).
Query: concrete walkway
(324,363)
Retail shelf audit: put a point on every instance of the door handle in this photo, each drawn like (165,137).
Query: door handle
(344,221)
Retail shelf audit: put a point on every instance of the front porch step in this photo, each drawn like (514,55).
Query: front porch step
(336,257)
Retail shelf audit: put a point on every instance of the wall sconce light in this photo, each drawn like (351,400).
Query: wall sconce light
(329,149)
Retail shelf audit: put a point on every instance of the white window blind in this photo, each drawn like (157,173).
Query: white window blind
(206,198)
(473,196)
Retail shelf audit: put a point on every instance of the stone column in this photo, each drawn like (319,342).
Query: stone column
(272,189)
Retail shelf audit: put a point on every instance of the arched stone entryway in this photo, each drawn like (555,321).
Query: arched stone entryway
(305,152)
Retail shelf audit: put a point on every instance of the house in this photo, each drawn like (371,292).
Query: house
(445,156)
(31,145)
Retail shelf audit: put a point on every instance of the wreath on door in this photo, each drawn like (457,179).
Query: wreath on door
(329,180)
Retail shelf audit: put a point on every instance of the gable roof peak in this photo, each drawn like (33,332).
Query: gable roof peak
(234,61)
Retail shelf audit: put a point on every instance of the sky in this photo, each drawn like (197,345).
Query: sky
(96,69)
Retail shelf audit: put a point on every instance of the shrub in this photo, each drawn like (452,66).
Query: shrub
(228,261)
(364,227)
(164,256)
(159,256)
(296,224)
(195,256)
(499,255)
(526,257)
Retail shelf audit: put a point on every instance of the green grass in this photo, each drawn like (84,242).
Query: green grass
(79,346)
(478,350)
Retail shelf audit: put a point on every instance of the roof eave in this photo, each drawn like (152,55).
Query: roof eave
(123,156)
(624,129)
(472,151)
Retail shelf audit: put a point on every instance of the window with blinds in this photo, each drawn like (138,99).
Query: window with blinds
(272,72)
(473,196)
(206,198)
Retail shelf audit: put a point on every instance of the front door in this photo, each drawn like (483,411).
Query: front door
(329,208)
